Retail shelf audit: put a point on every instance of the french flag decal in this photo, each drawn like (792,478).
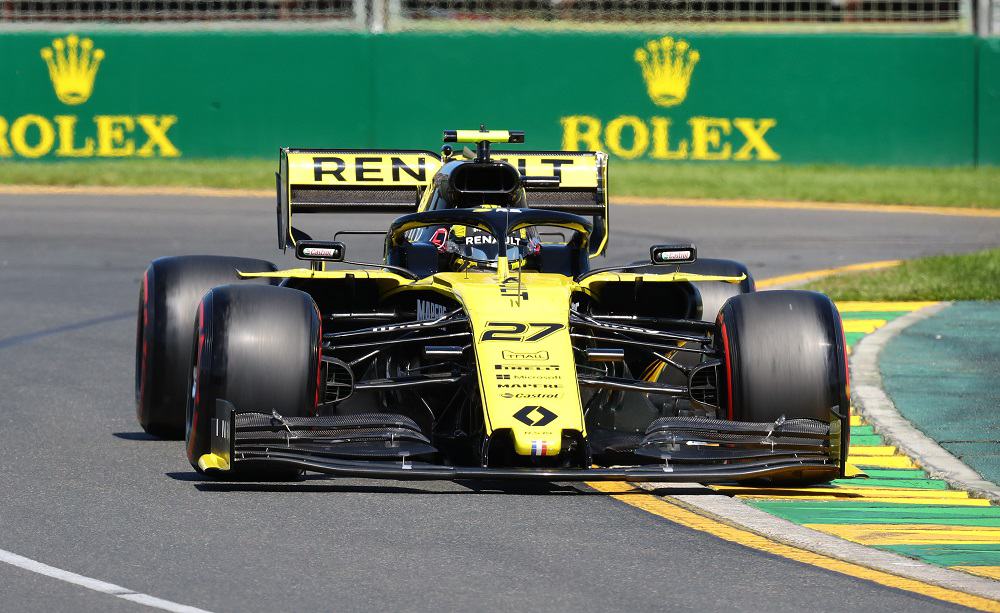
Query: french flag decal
(539,447)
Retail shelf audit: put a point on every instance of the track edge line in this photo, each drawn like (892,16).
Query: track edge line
(94,585)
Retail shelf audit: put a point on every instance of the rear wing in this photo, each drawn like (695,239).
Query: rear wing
(349,181)
(393,180)
(582,190)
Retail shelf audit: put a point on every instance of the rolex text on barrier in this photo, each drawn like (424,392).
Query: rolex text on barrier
(645,95)
(667,65)
(73,64)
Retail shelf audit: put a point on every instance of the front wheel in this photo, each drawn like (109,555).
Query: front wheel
(258,347)
(784,356)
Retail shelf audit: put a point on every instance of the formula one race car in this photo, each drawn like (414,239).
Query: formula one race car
(485,345)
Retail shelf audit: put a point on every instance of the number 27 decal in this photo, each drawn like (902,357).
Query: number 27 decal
(518,332)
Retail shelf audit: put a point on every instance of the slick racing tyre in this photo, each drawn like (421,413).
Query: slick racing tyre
(783,356)
(257,347)
(168,298)
(714,294)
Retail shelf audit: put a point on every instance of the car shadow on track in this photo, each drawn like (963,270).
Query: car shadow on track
(320,484)
(136,436)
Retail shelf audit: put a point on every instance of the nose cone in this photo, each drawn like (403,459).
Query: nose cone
(527,372)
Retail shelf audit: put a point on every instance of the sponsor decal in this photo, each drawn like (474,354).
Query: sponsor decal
(73,64)
(527,367)
(429,310)
(667,67)
(572,170)
(533,415)
(518,332)
(529,377)
(321,252)
(680,254)
(525,355)
(527,385)
(525,396)
(401,169)
(487,239)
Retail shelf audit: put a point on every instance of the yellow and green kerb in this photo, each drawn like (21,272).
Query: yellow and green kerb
(898,508)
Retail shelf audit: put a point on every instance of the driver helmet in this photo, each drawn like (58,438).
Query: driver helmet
(478,248)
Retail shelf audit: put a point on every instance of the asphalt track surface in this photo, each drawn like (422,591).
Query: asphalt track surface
(84,490)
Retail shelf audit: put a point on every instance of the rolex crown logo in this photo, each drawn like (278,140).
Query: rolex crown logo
(73,64)
(667,65)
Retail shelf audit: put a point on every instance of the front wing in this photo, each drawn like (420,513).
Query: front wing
(385,446)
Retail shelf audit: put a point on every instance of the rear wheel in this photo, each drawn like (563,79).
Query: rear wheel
(257,347)
(784,356)
(711,295)
(714,294)
(168,297)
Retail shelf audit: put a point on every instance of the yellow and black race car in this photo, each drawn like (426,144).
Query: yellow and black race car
(485,345)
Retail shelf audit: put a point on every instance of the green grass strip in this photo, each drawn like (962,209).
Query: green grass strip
(951,555)
(822,512)
(977,187)
(223,173)
(970,276)
(960,187)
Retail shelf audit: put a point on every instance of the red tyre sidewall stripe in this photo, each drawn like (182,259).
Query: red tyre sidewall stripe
(845,430)
(319,363)
(729,368)
(201,347)
(199,358)
(145,339)
(847,367)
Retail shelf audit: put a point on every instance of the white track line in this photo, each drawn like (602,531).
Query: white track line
(95,584)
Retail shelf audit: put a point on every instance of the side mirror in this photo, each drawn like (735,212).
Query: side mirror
(672,254)
(326,251)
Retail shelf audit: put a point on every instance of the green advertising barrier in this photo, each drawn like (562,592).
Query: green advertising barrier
(192,95)
(989,102)
(853,99)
